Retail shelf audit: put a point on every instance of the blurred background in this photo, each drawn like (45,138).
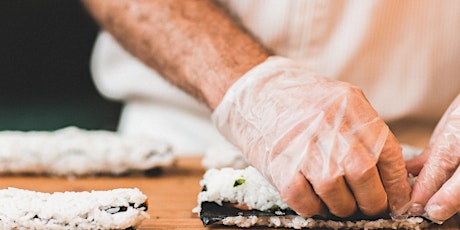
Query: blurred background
(45,81)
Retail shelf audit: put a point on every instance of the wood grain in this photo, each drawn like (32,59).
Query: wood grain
(172,196)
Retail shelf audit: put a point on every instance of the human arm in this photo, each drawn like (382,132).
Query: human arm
(196,46)
(436,191)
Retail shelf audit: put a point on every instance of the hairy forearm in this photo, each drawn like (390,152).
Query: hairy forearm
(192,43)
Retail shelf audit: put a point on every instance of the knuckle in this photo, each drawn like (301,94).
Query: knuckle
(325,187)
(350,90)
(362,175)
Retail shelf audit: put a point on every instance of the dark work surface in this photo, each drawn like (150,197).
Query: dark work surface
(45,82)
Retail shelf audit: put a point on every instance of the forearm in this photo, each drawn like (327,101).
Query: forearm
(193,43)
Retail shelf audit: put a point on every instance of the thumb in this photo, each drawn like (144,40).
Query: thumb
(440,165)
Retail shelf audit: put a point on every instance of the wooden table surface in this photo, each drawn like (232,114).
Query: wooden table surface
(172,196)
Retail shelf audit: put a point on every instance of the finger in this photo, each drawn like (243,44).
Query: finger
(445,202)
(439,167)
(368,190)
(336,196)
(363,178)
(360,165)
(300,196)
(414,165)
(393,174)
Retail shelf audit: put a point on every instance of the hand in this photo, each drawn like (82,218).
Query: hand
(436,192)
(317,140)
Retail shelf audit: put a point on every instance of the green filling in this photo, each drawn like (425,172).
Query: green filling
(274,208)
(238,182)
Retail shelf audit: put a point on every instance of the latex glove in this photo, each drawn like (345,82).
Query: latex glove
(317,140)
(436,192)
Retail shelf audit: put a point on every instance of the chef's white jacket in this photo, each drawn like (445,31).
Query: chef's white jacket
(404,55)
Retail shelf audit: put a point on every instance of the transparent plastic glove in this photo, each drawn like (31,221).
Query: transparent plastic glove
(436,192)
(317,140)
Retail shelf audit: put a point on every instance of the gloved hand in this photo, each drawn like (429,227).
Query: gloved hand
(317,140)
(436,192)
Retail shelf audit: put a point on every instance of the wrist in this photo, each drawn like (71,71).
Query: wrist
(260,70)
(214,88)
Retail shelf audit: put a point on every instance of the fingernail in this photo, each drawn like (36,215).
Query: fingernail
(416,210)
(430,213)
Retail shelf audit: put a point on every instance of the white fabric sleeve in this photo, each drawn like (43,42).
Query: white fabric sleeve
(119,75)
(152,106)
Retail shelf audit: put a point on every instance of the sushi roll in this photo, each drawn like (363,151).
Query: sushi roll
(76,152)
(123,208)
(244,198)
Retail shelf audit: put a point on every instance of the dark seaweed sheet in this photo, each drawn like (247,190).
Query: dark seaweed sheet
(212,213)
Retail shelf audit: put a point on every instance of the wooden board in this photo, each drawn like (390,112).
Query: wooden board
(172,196)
